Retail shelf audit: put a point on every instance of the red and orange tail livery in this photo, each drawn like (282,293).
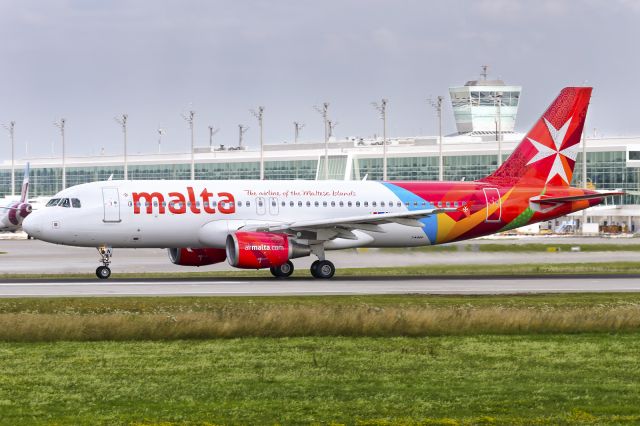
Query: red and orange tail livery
(547,154)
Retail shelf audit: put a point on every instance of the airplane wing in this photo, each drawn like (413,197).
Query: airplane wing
(369,222)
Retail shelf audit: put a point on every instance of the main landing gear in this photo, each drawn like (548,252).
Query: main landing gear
(322,269)
(283,271)
(103,272)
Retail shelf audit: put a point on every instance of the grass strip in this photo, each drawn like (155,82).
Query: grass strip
(601,268)
(452,380)
(517,247)
(86,319)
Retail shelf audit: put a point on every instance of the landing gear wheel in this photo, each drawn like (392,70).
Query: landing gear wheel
(283,271)
(103,272)
(324,269)
(313,267)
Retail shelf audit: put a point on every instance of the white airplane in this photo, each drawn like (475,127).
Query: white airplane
(265,224)
(12,214)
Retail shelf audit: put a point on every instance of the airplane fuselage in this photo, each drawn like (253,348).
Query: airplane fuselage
(202,213)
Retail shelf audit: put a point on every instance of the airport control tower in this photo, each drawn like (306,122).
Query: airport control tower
(480,106)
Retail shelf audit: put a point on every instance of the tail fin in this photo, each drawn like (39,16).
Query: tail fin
(24,193)
(547,154)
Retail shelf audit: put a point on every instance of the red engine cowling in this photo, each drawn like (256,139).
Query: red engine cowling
(196,256)
(255,250)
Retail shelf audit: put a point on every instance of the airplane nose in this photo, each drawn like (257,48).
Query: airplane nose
(32,225)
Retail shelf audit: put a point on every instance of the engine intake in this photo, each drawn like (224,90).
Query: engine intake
(255,250)
(196,256)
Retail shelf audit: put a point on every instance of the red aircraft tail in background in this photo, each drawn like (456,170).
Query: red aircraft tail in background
(547,154)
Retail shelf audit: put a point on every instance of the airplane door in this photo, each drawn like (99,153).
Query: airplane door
(492,196)
(111,200)
(260,205)
(273,206)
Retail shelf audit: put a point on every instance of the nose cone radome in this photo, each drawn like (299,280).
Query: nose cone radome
(31,225)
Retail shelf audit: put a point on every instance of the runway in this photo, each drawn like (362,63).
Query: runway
(299,286)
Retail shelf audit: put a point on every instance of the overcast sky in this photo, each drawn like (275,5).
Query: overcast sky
(90,60)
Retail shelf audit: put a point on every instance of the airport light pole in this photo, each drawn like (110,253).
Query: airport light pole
(212,132)
(11,129)
(382,109)
(332,125)
(298,127)
(437,104)
(189,119)
(323,112)
(161,132)
(242,129)
(259,115)
(499,127)
(122,121)
(60,125)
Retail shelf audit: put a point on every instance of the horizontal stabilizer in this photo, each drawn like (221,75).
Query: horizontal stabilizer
(546,199)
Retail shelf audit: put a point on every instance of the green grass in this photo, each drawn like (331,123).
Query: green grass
(604,268)
(518,248)
(130,319)
(550,379)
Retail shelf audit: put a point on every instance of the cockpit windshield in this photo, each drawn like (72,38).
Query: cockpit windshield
(64,202)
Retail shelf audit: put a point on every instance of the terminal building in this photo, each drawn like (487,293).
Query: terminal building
(485,114)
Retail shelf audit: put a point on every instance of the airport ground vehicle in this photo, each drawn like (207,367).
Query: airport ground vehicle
(265,224)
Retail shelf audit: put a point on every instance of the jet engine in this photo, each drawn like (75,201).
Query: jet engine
(18,212)
(255,250)
(196,256)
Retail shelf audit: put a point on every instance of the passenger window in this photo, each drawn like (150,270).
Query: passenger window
(248,204)
(349,203)
(399,204)
(308,203)
(439,203)
(273,203)
(333,204)
(239,203)
(381,203)
(366,204)
(374,204)
(448,204)
(317,204)
(284,204)
(341,203)
(260,203)
(357,203)
(291,204)
(324,204)
(299,203)
(65,202)
(455,204)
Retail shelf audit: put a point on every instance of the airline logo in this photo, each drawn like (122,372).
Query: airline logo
(177,202)
(560,155)
(263,247)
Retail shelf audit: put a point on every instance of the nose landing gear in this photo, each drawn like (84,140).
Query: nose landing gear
(103,272)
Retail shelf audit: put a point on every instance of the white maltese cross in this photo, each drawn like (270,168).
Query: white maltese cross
(557,135)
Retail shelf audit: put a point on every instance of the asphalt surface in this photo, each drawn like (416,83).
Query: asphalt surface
(37,257)
(336,286)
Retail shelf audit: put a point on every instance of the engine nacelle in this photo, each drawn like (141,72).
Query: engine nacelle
(196,256)
(255,250)
(18,212)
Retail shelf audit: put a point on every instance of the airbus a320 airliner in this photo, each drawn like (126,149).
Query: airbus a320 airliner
(265,224)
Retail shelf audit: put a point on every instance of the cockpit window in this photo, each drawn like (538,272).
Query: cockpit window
(75,203)
(65,203)
(53,202)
